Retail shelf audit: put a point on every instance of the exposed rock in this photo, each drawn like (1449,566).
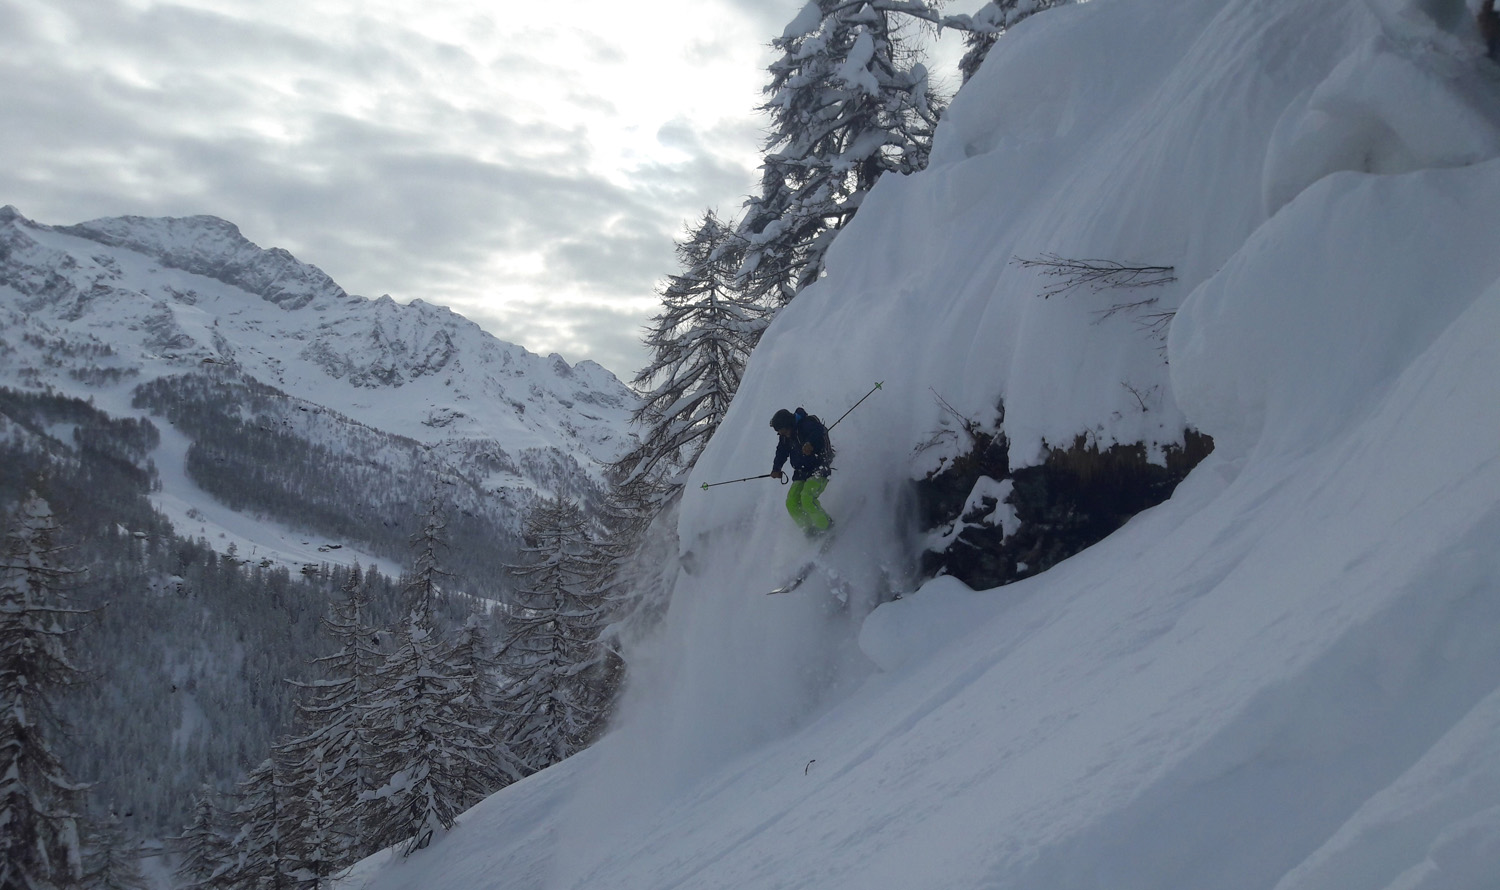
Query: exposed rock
(991,525)
(212,247)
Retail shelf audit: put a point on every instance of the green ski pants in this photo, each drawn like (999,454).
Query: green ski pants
(802,503)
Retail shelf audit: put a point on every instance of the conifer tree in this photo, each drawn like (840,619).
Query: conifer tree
(699,344)
(260,821)
(113,862)
(331,758)
(985,27)
(426,758)
(849,102)
(477,702)
(430,764)
(556,663)
(202,849)
(314,845)
(625,572)
(638,558)
(424,586)
(40,804)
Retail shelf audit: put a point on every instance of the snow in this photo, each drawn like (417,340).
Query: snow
(804,23)
(148,298)
(855,71)
(446,379)
(1283,678)
(195,514)
(1002,513)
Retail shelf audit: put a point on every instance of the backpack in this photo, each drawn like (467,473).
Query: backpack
(828,449)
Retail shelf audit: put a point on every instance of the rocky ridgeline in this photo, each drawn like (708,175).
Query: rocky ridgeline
(214,248)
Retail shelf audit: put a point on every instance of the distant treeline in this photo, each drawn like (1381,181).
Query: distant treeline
(259,450)
(189,649)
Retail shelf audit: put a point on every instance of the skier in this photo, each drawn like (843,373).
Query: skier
(804,441)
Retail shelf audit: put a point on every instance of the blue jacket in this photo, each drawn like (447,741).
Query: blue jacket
(806,430)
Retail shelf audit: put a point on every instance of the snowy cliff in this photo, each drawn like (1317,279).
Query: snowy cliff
(1283,678)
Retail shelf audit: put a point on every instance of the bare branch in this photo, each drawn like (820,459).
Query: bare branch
(1117,308)
(1097,275)
(1156,323)
(1140,397)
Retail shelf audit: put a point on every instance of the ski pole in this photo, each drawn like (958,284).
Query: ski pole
(708,485)
(857,404)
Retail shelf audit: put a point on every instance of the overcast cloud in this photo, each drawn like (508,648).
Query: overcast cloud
(529,165)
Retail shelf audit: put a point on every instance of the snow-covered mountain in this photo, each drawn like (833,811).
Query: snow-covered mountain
(1285,677)
(98,309)
(214,420)
(166,295)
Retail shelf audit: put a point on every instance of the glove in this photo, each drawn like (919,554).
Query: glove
(807,448)
(776,474)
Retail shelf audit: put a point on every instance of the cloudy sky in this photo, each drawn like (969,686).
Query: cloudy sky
(527,164)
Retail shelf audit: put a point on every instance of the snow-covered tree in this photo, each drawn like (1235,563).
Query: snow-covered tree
(699,344)
(113,860)
(773,258)
(849,101)
(40,804)
(427,757)
(561,675)
(315,846)
(330,758)
(985,27)
(477,702)
(424,586)
(202,849)
(430,763)
(641,557)
(260,822)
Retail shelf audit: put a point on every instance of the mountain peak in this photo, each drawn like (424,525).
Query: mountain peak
(213,247)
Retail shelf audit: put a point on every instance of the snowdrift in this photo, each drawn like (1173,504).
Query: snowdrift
(1284,677)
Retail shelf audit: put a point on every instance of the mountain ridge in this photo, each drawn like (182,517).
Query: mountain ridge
(177,280)
(99,309)
(214,247)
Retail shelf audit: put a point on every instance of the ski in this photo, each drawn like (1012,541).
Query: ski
(795,582)
(803,573)
(836,585)
(825,542)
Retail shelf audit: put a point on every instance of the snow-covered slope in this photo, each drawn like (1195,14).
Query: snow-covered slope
(1284,678)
